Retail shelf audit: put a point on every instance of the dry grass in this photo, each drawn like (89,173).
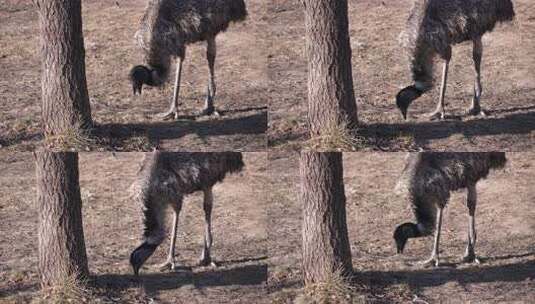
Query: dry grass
(71,140)
(335,289)
(72,289)
(336,136)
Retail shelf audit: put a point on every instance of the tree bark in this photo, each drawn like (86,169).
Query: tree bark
(325,240)
(65,101)
(331,97)
(62,251)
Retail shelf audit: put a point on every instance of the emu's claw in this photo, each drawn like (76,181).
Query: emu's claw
(471,258)
(210,111)
(169,265)
(431,262)
(476,112)
(207,262)
(171,114)
(437,115)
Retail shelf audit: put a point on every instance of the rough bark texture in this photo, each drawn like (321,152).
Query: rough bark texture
(65,108)
(331,97)
(325,240)
(61,237)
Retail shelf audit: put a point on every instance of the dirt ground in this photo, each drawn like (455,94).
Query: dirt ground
(257,233)
(505,223)
(112,227)
(380,69)
(126,122)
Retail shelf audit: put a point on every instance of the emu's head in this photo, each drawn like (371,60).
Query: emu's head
(405,97)
(140,75)
(402,233)
(140,255)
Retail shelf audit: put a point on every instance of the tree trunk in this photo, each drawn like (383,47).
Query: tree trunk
(331,98)
(65,101)
(61,236)
(325,241)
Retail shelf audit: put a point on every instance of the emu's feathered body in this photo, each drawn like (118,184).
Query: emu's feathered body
(429,178)
(434,26)
(163,181)
(169,25)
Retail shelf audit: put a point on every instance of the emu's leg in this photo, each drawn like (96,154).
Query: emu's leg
(170,263)
(475,109)
(173,109)
(433,260)
(206,259)
(439,112)
(209,108)
(470,256)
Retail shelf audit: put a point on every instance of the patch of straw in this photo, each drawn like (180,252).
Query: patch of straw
(336,288)
(337,136)
(71,290)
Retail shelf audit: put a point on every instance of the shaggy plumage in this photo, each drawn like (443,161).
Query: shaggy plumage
(163,181)
(427,181)
(434,26)
(168,26)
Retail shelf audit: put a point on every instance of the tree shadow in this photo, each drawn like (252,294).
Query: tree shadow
(118,135)
(146,135)
(15,139)
(418,279)
(153,283)
(18,288)
(424,132)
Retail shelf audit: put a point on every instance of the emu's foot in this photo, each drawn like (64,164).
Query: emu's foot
(471,258)
(476,111)
(437,115)
(171,114)
(207,262)
(210,111)
(169,265)
(431,262)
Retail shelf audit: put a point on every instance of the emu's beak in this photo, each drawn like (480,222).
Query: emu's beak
(136,88)
(404,113)
(136,270)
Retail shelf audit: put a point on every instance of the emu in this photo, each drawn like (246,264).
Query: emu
(432,28)
(428,179)
(167,27)
(163,181)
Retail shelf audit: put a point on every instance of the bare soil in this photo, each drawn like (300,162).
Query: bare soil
(125,122)
(380,69)
(112,226)
(257,233)
(505,223)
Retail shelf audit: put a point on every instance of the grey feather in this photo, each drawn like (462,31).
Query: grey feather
(165,178)
(434,25)
(428,179)
(169,25)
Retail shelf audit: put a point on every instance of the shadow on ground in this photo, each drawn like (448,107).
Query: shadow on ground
(152,283)
(423,133)
(421,278)
(144,136)
(152,133)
